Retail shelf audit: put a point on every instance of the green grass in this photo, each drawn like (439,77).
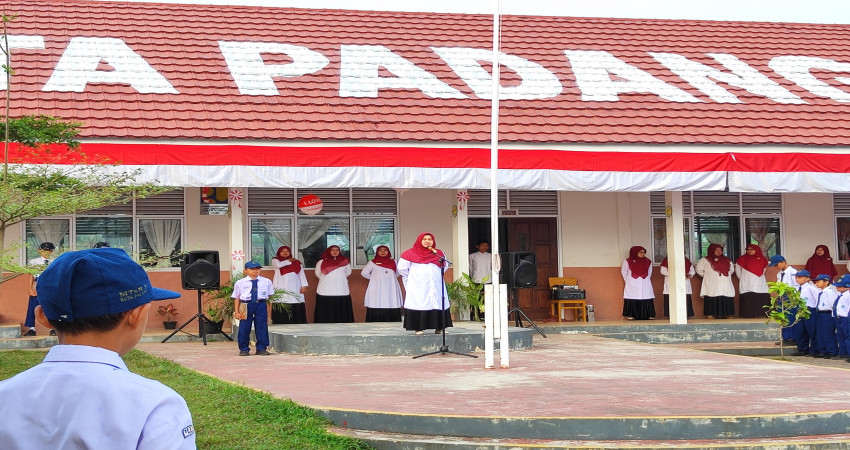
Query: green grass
(226,416)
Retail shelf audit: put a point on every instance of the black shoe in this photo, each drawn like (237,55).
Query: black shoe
(245,353)
(438,331)
(30,332)
(818,355)
(53,332)
(790,342)
(800,354)
(262,353)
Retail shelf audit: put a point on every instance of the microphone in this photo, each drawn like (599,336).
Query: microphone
(433,250)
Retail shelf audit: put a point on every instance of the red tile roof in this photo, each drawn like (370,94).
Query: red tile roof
(181,43)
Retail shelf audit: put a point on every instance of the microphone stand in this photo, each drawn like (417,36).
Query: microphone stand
(443,348)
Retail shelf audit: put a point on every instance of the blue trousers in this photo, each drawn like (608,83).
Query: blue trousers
(787,332)
(842,330)
(30,320)
(804,332)
(825,341)
(257,315)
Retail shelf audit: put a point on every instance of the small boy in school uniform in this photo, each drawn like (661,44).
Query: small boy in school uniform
(826,343)
(804,331)
(252,291)
(841,310)
(787,275)
(82,395)
(45,256)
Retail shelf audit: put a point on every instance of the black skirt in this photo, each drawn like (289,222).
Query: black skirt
(752,304)
(297,314)
(689,302)
(383,314)
(719,307)
(639,309)
(333,309)
(426,320)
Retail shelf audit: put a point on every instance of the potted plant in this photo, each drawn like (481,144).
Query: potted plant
(465,294)
(168,311)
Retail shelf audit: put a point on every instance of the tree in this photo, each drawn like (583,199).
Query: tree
(786,308)
(46,174)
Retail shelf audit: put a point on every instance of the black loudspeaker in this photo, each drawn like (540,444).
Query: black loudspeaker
(200,270)
(519,269)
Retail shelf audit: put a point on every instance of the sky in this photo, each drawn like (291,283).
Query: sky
(807,11)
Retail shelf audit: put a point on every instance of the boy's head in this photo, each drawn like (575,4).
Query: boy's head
(252,269)
(91,290)
(46,249)
(778,261)
(803,276)
(822,280)
(482,245)
(841,285)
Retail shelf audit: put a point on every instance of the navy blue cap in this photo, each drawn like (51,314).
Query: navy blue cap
(842,282)
(95,282)
(821,277)
(47,246)
(252,265)
(776,259)
(803,273)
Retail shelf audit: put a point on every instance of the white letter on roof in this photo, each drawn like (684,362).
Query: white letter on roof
(593,70)
(78,66)
(19,42)
(796,69)
(537,82)
(743,76)
(359,77)
(254,77)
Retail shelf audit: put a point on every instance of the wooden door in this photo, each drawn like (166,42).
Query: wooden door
(538,235)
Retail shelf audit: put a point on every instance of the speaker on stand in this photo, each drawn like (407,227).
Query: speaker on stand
(519,271)
(200,271)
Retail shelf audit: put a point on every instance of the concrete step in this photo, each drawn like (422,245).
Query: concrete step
(33,342)
(676,337)
(665,333)
(10,330)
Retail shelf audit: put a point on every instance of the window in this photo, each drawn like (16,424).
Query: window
(730,219)
(115,231)
(159,242)
(55,231)
(841,206)
(357,220)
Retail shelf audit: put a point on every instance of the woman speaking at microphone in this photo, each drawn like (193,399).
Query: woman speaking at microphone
(426,301)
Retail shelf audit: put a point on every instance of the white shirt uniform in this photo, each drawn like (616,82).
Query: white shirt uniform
(842,306)
(242,289)
(713,284)
(39,261)
(291,282)
(480,266)
(750,282)
(825,298)
(636,288)
(383,290)
(333,283)
(788,276)
(85,397)
(666,274)
(423,285)
(809,292)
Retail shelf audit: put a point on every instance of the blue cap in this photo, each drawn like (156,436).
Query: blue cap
(803,273)
(840,283)
(821,277)
(252,265)
(775,259)
(95,282)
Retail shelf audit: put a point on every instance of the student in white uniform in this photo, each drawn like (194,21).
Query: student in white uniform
(333,297)
(638,295)
(805,334)
(289,276)
(45,256)
(426,302)
(717,290)
(480,268)
(841,312)
(787,275)
(383,294)
(826,343)
(83,395)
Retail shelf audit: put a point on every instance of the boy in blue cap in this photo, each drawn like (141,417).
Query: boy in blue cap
(82,395)
(45,256)
(826,344)
(787,275)
(252,292)
(841,310)
(804,332)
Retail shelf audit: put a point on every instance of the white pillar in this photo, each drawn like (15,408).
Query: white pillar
(460,234)
(237,254)
(675,258)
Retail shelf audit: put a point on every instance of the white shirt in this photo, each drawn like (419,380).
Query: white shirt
(423,286)
(809,292)
(83,397)
(39,261)
(334,282)
(480,266)
(788,276)
(750,282)
(714,284)
(842,306)
(242,289)
(666,274)
(291,282)
(383,290)
(825,298)
(636,288)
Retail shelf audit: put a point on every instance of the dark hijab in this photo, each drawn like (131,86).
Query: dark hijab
(639,266)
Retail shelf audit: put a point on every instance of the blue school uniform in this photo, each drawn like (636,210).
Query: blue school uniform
(254,293)
(826,342)
(804,331)
(841,311)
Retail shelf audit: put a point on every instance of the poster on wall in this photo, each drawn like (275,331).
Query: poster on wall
(214,201)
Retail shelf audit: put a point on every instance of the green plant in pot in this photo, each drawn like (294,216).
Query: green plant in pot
(219,304)
(168,312)
(465,294)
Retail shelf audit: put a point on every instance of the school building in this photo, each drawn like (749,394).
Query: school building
(386,118)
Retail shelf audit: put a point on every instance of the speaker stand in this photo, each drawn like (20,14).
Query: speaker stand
(518,312)
(202,324)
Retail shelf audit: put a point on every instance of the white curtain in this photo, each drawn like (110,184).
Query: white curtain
(365,229)
(759,230)
(311,230)
(162,236)
(49,230)
(279,229)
